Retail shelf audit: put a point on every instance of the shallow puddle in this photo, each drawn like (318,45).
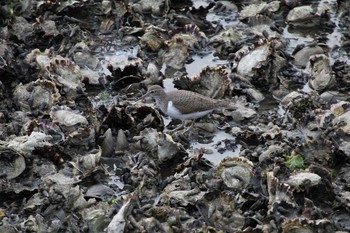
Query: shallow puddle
(215,155)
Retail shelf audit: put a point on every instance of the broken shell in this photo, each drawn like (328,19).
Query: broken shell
(27,144)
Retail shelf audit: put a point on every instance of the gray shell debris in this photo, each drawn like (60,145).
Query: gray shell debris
(81,151)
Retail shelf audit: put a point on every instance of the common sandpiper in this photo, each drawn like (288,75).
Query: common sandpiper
(184,105)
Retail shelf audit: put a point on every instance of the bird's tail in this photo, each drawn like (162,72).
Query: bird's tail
(228,104)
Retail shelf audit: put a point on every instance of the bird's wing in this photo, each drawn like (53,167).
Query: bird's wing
(189,102)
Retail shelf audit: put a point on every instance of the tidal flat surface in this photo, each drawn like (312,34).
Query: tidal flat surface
(81,151)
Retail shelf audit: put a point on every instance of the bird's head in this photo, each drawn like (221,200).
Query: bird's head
(155,91)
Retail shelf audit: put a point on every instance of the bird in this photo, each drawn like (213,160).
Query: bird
(184,105)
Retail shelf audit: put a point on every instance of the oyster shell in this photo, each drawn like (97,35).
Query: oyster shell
(176,54)
(212,82)
(260,63)
(155,7)
(39,95)
(153,39)
(118,223)
(67,117)
(12,162)
(67,75)
(302,56)
(179,46)
(303,16)
(260,8)
(301,178)
(62,71)
(281,201)
(215,211)
(322,76)
(226,42)
(304,225)
(159,144)
(21,28)
(236,172)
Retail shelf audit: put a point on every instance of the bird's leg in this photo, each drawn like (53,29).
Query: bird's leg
(178,128)
(191,126)
(183,126)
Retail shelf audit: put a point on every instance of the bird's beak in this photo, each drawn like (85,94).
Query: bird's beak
(144,96)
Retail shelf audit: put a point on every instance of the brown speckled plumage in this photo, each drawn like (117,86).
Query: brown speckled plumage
(185,101)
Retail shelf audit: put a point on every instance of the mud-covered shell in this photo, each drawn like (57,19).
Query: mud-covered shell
(39,95)
(12,163)
(236,172)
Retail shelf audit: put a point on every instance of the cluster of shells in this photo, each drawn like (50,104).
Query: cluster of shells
(79,152)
